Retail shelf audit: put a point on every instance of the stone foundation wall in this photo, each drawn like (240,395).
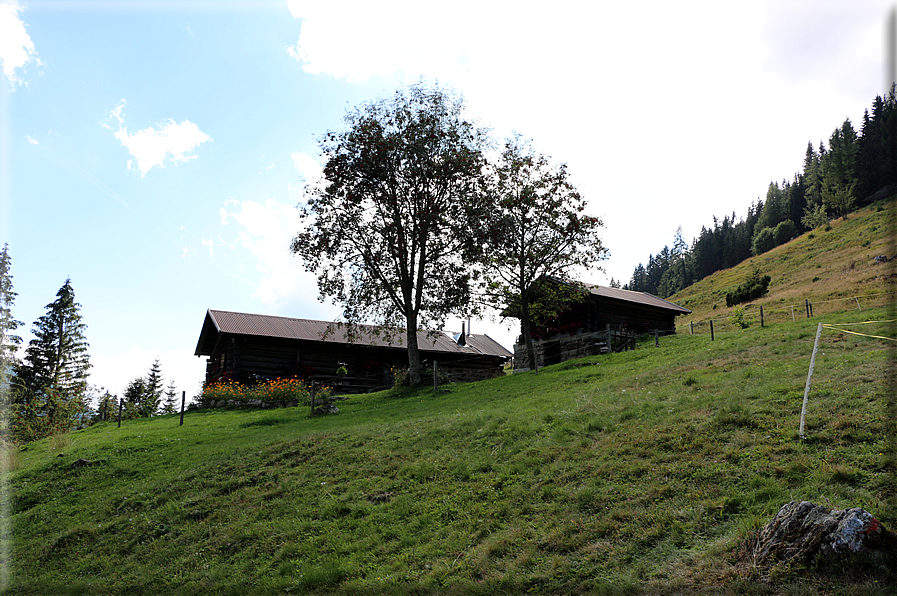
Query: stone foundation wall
(559,349)
(468,375)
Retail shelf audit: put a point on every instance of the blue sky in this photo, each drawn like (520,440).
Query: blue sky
(155,152)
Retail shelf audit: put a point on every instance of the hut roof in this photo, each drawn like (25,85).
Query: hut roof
(643,298)
(237,323)
(637,297)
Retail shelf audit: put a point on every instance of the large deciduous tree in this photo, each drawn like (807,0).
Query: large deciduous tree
(388,229)
(536,230)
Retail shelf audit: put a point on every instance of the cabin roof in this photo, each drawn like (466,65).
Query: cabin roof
(221,321)
(637,297)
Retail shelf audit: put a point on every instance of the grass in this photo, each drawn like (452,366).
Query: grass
(643,474)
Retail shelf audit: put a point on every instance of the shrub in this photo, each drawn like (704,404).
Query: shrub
(814,217)
(784,232)
(737,318)
(763,241)
(753,288)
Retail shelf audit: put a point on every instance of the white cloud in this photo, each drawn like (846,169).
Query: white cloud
(365,39)
(265,231)
(150,147)
(211,244)
(32,140)
(16,48)
(610,87)
(223,213)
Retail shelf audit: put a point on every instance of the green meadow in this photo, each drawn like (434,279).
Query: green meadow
(642,472)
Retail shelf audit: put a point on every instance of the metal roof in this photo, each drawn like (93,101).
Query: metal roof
(637,297)
(237,323)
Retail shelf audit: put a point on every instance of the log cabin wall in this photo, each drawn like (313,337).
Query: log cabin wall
(247,359)
(595,312)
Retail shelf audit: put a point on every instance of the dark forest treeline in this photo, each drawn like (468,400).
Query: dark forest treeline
(835,181)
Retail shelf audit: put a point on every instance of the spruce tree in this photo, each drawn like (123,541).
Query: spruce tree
(107,408)
(54,374)
(9,342)
(154,388)
(136,397)
(169,406)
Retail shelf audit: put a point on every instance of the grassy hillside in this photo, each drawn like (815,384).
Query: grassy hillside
(637,473)
(828,267)
(621,474)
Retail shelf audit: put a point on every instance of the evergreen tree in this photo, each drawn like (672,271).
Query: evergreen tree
(154,386)
(9,342)
(169,406)
(54,374)
(136,396)
(107,407)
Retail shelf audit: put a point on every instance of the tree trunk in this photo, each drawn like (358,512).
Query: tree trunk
(414,377)
(527,335)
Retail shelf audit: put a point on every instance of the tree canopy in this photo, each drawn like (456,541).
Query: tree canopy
(536,230)
(389,229)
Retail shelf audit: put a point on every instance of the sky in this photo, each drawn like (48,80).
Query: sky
(155,152)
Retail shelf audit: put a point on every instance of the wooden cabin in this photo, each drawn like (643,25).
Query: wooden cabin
(250,348)
(582,329)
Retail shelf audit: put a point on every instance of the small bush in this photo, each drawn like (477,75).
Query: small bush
(753,288)
(400,376)
(784,232)
(738,319)
(763,241)
(60,441)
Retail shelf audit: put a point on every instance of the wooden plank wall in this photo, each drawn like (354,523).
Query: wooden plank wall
(367,367)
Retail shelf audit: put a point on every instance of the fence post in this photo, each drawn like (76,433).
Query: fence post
(691,328)
(807,305)
(312,413)
(610,343)
(803,410)
(121,402)
(183,399)
(811,309)
(761,316)
(858,302)
(711,329)
(435,378)
(656,339)
(792,313)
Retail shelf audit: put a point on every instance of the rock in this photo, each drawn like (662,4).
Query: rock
(81,462)
(801,531)
(326,409)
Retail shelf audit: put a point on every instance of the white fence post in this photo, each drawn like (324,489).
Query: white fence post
(803,410)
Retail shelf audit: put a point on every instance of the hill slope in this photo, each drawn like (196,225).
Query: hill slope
(828,267)
(635,473)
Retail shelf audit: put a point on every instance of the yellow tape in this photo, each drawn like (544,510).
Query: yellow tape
(855,333)
(863,323)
